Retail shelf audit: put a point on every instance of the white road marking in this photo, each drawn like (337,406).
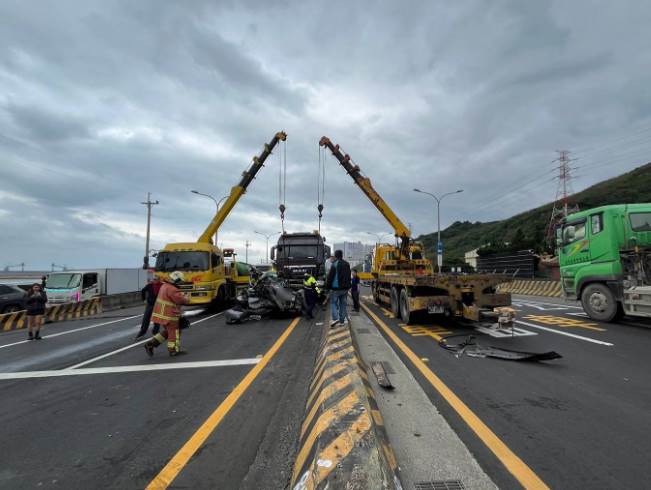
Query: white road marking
(130,346)
(567,334)
(532,303)
(71,331)
(579,313)
(505,332)
(128,369)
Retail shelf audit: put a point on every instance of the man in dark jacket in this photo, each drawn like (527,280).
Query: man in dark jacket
(338,282)
(149,294)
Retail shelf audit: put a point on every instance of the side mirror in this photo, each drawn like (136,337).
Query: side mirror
(272,253)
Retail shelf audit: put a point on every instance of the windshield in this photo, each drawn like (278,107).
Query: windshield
(63,281)
(299,251)
(180,261)
(640,221)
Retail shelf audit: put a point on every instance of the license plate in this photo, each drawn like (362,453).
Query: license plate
(435,309)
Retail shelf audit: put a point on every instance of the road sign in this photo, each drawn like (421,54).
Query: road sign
(439,248)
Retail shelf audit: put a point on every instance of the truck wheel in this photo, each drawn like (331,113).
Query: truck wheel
(395,305)
(599,303)
(405,314)
(376,296)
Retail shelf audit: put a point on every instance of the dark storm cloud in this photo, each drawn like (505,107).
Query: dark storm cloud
(101,102)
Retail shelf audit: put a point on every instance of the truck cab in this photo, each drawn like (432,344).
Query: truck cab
(298,253)
(603,253)
(73,286)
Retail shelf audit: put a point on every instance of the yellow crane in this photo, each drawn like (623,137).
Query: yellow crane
(208,277)
(403,278)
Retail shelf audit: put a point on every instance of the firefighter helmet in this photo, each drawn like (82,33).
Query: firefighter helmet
(176,277)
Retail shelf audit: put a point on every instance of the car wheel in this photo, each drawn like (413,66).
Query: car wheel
(405,314)
(395,306)
(599,303)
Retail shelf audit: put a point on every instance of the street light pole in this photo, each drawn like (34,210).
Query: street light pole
(266,259)
(149,204)
(439,244)
(217,204)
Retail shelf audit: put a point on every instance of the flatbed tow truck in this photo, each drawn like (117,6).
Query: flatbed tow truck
(404,279)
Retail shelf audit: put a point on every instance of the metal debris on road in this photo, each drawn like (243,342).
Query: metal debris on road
(381,375)
(472,349)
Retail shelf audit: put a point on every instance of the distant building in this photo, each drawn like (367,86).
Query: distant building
(471,258)
(354,252)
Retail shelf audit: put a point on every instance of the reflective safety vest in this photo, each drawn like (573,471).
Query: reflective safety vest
(167,309)
(310,283)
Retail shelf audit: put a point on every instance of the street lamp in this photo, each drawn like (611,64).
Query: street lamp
(378,236)
(217,204)
(267,237)
(439,245)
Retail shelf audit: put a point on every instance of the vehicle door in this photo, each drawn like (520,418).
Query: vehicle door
(575,251)
(89,286)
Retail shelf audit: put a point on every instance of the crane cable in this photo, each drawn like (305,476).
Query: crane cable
(320,183)
(282,183)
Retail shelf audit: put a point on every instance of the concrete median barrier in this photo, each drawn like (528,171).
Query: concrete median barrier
(343,443)
(55,313)
(532,287)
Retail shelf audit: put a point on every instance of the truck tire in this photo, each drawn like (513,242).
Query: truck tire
(599,303)
(395,302)
(376,295)
(405,314)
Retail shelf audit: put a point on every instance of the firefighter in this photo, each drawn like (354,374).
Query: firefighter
(311,292)
(167,313)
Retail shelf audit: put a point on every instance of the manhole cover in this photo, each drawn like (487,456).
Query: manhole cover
(440,485)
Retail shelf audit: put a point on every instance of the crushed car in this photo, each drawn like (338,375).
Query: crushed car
(267,296)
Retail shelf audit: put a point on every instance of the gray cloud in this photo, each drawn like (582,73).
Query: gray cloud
(101,102)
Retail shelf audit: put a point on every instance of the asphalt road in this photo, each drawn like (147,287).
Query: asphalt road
(582,421)
(116,419)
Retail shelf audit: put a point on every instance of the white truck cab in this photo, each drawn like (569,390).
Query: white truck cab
(73,286)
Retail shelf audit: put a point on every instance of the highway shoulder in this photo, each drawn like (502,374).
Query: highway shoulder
(426,447)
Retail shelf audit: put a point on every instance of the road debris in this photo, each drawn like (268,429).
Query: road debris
(472,349)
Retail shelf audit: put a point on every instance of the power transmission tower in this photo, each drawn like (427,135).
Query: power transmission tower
(561,207)
(149,203)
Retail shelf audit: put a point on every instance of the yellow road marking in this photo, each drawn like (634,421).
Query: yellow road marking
(181,458)
(323,422)
(433,331)
(560,321)
(515,466)
(342,445)
(387,312)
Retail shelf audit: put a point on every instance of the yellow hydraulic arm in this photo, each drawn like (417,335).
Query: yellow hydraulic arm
(239,189)
(364,183)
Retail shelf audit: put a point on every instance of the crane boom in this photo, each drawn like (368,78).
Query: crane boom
(240,188)
(364,183)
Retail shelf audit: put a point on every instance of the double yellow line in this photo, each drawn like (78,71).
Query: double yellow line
(181,458)
(525,475)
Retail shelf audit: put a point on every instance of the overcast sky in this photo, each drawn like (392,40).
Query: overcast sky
(101,102)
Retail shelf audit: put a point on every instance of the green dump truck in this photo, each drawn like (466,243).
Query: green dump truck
(605,260)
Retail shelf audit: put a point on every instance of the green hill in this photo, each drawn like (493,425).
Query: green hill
(528,229)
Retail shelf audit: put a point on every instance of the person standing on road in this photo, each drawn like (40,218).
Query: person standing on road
(354,290)
(338,282)
(167,313)
(149,294)
(36,299)
(311,293)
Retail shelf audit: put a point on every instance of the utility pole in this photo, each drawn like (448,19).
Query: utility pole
(247,244)
(149,203)
(267,237)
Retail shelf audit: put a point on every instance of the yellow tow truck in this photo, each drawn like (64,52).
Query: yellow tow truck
(213,275)
(403,278)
